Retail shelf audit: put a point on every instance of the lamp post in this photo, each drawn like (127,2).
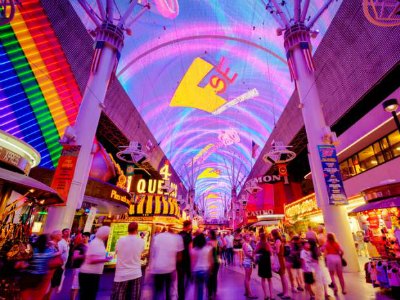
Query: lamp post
(391,106)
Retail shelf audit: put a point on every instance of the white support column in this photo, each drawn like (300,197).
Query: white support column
(335,216)
(103,66)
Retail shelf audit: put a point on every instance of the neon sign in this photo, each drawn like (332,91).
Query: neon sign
(156,186)
(190,94)
(168,8)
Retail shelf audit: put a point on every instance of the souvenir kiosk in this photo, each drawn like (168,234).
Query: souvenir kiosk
(379,219)
(153,212)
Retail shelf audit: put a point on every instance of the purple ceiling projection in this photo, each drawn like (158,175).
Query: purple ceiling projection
(210,84)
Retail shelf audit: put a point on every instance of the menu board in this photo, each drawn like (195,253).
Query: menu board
(119,230)
(332,175)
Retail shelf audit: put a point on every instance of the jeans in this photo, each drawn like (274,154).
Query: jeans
(212,281)
(89,285)
(229,254)
(200,279)
(184,277)
(162,281)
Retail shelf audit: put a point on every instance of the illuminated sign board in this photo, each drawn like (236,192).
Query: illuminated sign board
(17,153)
(158,186)
(116,196)
(155,186)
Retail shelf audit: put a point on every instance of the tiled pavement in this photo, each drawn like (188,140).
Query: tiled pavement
(230,286)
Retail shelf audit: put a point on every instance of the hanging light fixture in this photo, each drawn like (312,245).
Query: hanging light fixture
(132,153)
(279,154)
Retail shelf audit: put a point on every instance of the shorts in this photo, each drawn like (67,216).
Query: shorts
(334,263)
(308,277)
(75,279)
(57,276)
(247,264)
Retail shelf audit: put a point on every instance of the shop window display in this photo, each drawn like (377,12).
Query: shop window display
(394,140)
(379,227)
(367,158)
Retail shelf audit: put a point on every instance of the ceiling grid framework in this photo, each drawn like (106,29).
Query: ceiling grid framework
(230,41)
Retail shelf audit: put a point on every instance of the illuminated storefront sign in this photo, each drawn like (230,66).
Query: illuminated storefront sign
(17,153)
(158,186)
(116,196)
(302,207)
(265,179)
(155,186)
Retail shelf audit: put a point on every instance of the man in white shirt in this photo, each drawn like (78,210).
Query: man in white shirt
(229,247)
(166,250)
(93,266)
(128,272)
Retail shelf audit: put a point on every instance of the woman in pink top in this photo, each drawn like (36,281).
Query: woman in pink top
(333,254)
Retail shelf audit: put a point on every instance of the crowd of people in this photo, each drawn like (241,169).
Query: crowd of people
(299,261)
(178,260)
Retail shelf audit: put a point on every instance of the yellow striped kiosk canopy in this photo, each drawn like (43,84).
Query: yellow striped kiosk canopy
(155,205)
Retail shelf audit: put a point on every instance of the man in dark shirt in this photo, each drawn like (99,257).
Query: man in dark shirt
(184,272)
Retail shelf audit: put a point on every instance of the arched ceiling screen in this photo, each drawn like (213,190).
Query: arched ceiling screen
(210,84)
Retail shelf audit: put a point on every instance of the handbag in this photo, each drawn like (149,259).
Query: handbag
(344,262)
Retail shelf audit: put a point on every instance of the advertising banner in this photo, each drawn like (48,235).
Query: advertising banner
(333,178)
(65,170)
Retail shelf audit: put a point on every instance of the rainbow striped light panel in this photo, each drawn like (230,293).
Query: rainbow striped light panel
(39,96)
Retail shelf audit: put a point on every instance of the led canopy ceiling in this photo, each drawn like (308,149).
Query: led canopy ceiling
(210,81)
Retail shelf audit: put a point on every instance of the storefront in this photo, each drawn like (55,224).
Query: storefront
(22,201)
(379,219)
(154,213)
(305,212)
(21,197)
(265,208)
(379,237)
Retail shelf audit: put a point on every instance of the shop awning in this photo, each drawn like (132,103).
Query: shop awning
(265,223)
(22,184)
(379,204)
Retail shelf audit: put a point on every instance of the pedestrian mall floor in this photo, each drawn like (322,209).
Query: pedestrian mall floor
(230,286)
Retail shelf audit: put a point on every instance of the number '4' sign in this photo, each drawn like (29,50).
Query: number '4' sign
(164,171)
